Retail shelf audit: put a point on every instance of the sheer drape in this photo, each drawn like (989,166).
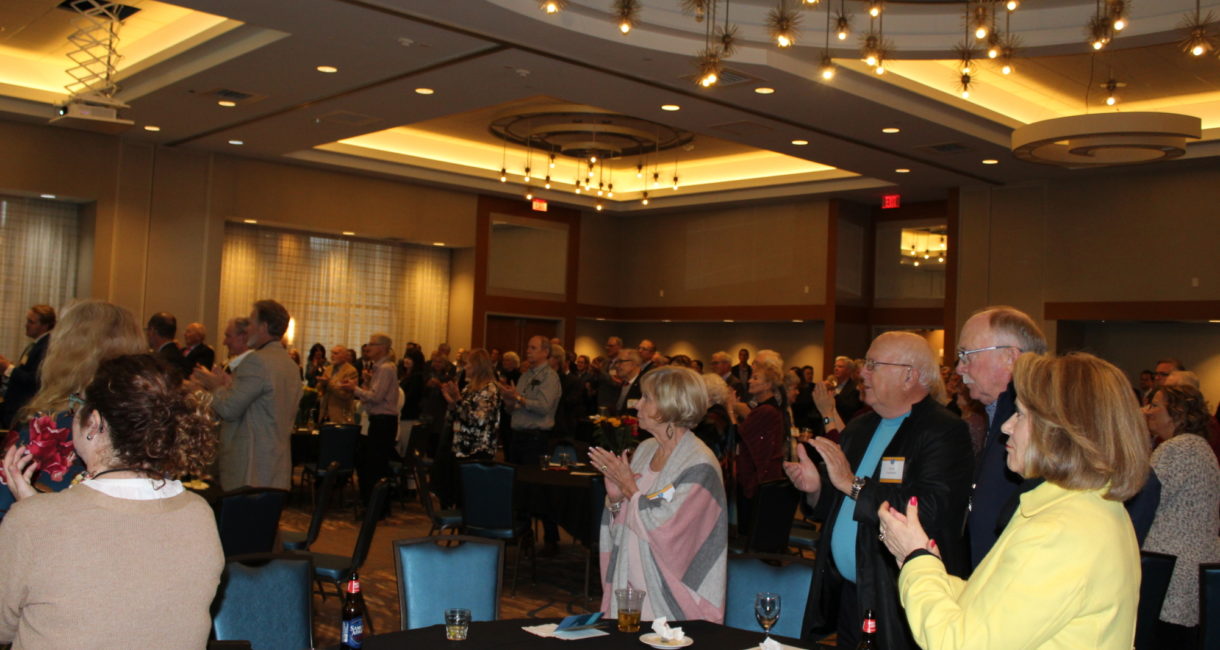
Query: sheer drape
(338,291)
(39,242)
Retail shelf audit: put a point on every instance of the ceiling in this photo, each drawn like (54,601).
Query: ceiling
(483,57)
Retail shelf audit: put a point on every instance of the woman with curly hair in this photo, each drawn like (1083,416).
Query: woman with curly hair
(126,557)
(88,332)
(1186,518)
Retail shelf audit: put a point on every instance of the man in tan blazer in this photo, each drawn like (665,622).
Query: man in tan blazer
(338,403)
(258,406)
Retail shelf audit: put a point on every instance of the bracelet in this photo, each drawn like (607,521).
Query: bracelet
(856,486)
(614,506)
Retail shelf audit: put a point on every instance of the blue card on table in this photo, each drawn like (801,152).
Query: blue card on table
(578,622)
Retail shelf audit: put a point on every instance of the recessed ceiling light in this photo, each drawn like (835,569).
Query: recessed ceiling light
(250,220)
(349,233)
(991,161)
(763,90)
(150,127)
(666,320)
(424,91)
(226,103)
(728,320)
(902,170)
(47,196)
(599,319)
(670,107)
(438,243)
(237,143)
(891,129)
(800,143)
(797,320)
(328,69)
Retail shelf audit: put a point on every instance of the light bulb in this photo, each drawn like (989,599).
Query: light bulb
(874,9)
(880,69)
(592,160)
(599,207)
(980,32)
(842,34)
(1111,100)
(965,94)
(871,60)
(1007,69)
(1098,44)
(624,27)
(993,52)
(503,175)
(1012,5)
(783,40)
(828,72)
(552,161)
(551,7)
(1120,24)
(645,201)
(1198,49)
(529,196)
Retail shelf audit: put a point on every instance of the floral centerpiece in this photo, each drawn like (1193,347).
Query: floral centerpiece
(616,433)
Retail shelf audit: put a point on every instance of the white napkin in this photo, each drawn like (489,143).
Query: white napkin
(667,633)
(769,644)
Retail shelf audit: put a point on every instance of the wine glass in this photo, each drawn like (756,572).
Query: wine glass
(766,610)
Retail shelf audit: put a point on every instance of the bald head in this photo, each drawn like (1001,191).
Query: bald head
(194,334)
(903,370)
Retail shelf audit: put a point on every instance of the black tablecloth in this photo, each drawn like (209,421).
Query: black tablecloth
(494,635)
(558,493)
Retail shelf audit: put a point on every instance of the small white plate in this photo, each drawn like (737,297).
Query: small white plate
(653,639)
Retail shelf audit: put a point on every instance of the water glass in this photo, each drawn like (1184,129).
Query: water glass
(766,610)
(630,603)
(544,461)
(457,624)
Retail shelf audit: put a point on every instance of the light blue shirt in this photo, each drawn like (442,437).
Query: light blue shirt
(843,539)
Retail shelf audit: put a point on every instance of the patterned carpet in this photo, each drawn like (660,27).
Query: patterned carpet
(557,592)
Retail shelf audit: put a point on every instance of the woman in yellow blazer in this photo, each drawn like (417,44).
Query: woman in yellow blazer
(1065,573)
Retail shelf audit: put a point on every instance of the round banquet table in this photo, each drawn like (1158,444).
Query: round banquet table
(563,494)
(494,635)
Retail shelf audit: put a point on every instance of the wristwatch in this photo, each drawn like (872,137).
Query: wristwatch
(856,486)
(826,421)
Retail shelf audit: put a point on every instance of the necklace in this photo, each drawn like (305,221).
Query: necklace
(139,470)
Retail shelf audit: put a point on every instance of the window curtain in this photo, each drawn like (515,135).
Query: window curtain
(338,291)
(39,252)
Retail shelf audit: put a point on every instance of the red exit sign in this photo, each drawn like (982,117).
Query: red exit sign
(891,201)
(538,205)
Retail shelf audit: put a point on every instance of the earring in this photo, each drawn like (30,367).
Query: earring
(669,431)
(89,436)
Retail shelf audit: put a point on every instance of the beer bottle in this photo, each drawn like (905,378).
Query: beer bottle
(351,633)
(868,632)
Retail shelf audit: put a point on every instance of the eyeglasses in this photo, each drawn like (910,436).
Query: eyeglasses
(871,364)
(963,356)
(75,402)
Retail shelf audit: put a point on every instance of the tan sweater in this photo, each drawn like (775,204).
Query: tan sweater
(80,569)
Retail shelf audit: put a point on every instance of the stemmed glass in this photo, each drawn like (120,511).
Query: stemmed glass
(766,610)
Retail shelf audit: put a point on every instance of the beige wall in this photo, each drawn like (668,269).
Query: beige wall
(772,254)
(461,297)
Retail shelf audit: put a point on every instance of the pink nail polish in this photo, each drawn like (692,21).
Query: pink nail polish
(914,501)
(932,543)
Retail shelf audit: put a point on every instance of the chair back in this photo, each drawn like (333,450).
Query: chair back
(774,511)
(337,443)
(372,514)
(433,577)
(1156,570)
(248,519)
(423,487)
(1209,605)
(788,576)
(487,499)
(265,599)
(319,508)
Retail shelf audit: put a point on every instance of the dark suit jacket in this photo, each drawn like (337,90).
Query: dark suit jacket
(738,386)
(633,393)
(994,483)
(200,355)
(172,354)
(23,383)
(938,462)
(847,401)
(737,370)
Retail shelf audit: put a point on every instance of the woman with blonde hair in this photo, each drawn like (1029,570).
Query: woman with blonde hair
(88,333)
(664,530)
(1065,572)
(472,422)
(762,435)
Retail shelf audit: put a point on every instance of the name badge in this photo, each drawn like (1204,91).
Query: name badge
(891,469)
(632,402)
(666,493)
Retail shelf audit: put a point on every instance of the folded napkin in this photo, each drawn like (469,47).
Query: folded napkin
(668,634)
(769,644)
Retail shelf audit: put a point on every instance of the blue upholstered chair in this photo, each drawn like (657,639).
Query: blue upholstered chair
(1209,606)
(487,509)
(265,599)
(1156,569)
(785,575)
(336,444)
(335,569)
(294,541)
(434,575)
(248,519)
(442,520)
